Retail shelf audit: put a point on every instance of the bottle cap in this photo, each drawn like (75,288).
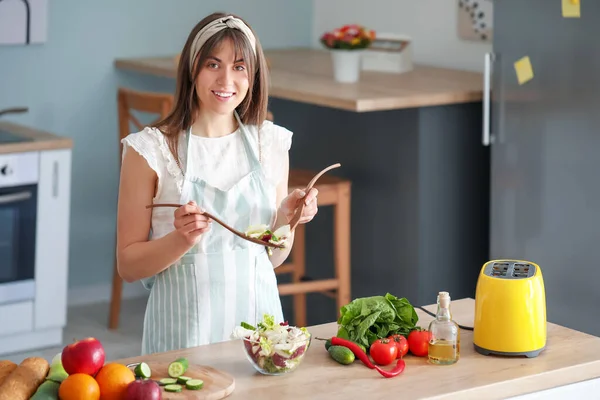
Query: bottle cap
(444,299)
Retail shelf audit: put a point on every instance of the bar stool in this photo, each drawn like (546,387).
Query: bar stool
(127,101)
(335,192)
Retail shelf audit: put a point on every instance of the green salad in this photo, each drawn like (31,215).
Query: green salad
(273,348)
(264,233)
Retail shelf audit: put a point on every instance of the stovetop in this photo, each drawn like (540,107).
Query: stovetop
(9,137)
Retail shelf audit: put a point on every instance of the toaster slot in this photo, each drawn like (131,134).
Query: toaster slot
(510,269)
(500,269)
(521,270)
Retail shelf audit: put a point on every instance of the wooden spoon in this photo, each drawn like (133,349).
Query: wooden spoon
(296,218)
(224,225)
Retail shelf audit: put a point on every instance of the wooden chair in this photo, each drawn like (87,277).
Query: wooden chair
(127,101)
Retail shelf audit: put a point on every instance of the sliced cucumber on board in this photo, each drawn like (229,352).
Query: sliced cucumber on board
(194,384)
(174,388)
(167,381)
(178,367)
(142,370)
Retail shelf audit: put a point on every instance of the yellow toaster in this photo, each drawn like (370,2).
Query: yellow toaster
(510,309)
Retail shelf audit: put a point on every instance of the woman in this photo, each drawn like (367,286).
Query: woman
(213,152)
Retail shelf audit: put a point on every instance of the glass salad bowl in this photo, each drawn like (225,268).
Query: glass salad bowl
(274,349)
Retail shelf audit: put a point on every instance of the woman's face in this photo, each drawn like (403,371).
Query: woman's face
(222,83)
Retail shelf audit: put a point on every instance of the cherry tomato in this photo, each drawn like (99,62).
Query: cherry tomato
(383,351)
(401,344)
(418,342)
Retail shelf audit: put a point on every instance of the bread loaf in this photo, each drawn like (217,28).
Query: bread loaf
(6,367)
(24,380)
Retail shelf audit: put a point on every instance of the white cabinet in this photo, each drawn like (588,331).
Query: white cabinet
(39,323)
(52,239)
(17,318)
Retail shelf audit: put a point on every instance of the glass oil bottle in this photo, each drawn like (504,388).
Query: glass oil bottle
(444,343)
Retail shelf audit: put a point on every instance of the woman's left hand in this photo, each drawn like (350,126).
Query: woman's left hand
(290,204)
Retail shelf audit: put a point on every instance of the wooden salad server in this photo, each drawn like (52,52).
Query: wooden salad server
(223,224)
(296,218)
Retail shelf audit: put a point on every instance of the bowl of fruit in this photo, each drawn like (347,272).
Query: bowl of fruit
(273,348)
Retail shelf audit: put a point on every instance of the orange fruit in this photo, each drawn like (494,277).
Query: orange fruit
(79,387)
(113,379)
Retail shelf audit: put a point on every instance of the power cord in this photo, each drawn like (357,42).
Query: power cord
(466,328)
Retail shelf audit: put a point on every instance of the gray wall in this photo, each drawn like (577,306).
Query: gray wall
(69,83)
(419,209)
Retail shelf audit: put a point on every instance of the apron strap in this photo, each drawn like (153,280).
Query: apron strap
(246,139)
(187,152)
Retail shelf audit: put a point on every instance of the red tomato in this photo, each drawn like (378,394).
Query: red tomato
(418,342)
(383,351)
(401,344)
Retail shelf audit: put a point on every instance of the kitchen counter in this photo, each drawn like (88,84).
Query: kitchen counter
(305,75)
(38,140)
(570,357)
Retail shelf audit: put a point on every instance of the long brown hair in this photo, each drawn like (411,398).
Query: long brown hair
(252,110)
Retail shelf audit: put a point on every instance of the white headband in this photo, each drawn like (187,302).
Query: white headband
(216,26)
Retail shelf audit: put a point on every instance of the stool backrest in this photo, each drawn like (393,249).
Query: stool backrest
(129,100)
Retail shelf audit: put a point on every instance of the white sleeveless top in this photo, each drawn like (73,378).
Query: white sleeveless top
(220,161)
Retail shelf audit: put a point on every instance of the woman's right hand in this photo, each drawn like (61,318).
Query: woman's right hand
(190,223)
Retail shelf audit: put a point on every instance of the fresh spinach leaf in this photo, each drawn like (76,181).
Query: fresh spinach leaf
(367,319)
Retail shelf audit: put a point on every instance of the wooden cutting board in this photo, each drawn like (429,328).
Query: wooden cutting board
(217,384)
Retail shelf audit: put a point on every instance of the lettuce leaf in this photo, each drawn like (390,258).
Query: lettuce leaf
(367,319)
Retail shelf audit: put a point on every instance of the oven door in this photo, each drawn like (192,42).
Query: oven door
(18,208)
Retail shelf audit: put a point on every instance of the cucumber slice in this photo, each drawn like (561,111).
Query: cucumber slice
(173,388)
(142,370)
(167,381)
(183,361)
(194,384)
(183,379)
(176,369)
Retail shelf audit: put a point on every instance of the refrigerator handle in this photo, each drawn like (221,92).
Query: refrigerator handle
(487,76)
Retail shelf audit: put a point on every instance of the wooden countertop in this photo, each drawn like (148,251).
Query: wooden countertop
(305,75)
(570,357)
(41,140)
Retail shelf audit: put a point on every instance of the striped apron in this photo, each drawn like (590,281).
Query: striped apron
(223,280)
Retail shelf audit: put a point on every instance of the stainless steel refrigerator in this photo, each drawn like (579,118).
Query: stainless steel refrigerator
(544,138)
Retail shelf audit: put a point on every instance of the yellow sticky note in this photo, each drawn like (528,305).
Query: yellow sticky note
(571,9)
(524,70)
